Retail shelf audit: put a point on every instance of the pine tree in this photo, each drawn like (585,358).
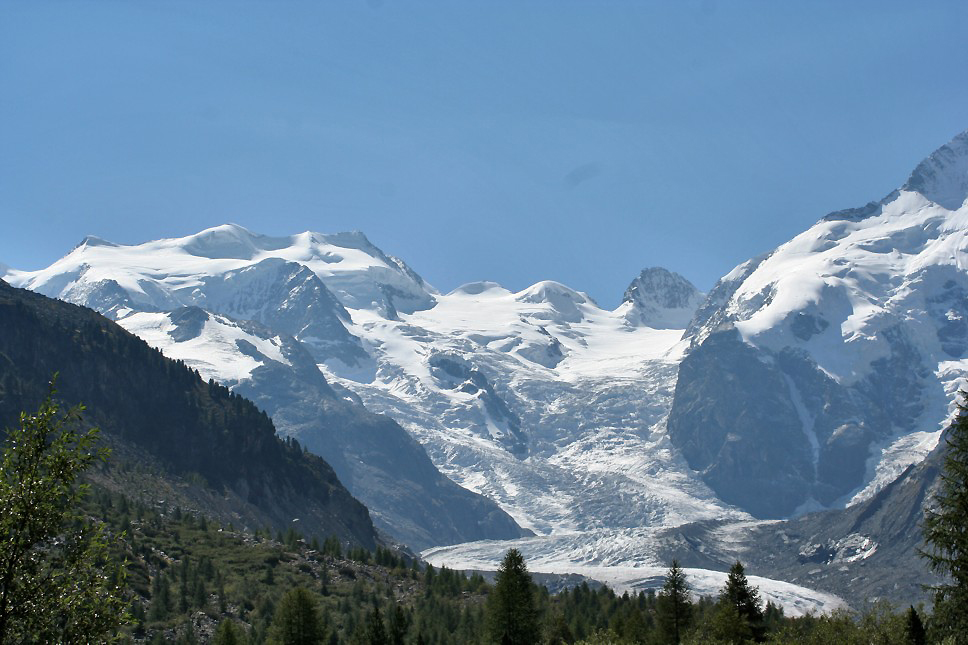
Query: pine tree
(399,624)
(228,633)
(511,614)
(296,620)
(726,625)
(56,583)
(376,633)
(914,627)
(557,631)
(673,606)
(772,616)
(745,599)
(946,535)
(160,598)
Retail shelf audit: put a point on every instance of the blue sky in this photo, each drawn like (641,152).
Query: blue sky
(507,141)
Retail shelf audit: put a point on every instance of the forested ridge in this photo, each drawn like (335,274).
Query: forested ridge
(162,411)
(188,575)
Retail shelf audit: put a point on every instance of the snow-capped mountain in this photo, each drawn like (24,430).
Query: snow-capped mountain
(818,372)
(808,377)
(253,313)
(539,400)
(814,376)
(166,274)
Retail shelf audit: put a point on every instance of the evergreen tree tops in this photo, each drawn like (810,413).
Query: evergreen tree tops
(297,620)
(736,617)
(738,593)
(945,531)
(674,606)
(740,605)
(511,615)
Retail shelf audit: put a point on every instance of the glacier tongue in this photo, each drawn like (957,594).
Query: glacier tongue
(606,556)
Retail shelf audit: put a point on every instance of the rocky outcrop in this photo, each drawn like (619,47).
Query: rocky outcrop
(661,299)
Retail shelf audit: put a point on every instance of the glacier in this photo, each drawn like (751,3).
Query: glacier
(598,430)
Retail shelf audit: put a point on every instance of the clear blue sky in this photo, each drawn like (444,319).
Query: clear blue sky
(508,141)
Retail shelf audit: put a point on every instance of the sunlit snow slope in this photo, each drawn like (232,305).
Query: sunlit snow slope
(808,377)
(540,400)
(818,372)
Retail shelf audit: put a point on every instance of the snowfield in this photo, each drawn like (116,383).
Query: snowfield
(214,353)
(544,402)
(586,389)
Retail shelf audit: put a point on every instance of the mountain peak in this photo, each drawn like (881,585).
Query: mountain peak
(348,239)
(228,241)
(661,299)
(94,240)
(560,302)
(551,291)
(943,176)
(478,288)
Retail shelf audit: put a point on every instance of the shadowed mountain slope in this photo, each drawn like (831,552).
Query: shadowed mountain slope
(198,434)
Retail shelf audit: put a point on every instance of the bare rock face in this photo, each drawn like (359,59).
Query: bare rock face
(770,431)
(943,177)
(749,448)
(287,297)
(809,364)
(661,299)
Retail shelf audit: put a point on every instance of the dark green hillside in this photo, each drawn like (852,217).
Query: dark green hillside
(156,410)
(188,578)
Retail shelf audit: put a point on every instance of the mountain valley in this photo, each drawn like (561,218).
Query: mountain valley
(803,395)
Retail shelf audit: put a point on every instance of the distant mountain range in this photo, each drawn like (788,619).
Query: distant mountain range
(809,378)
